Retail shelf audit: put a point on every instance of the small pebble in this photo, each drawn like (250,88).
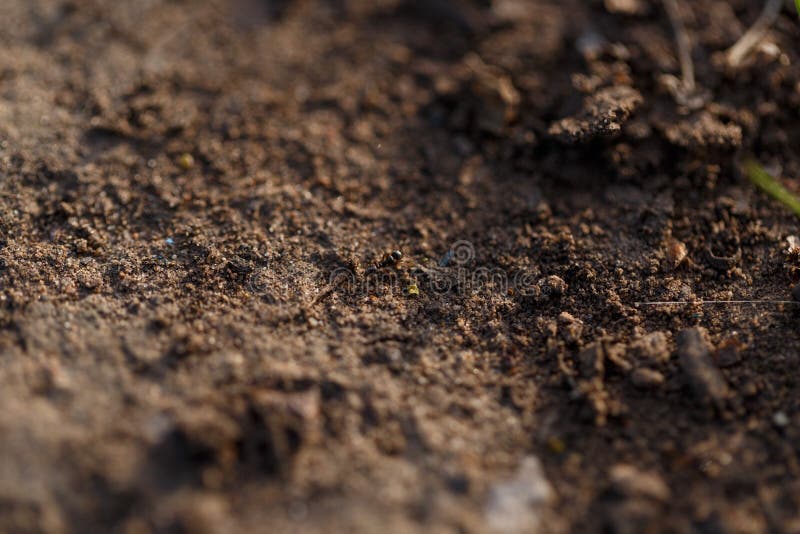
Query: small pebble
(518,503)
(676,252)
(780,419)
(186,161)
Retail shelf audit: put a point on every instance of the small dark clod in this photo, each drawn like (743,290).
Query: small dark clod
(796,292)
(702,373)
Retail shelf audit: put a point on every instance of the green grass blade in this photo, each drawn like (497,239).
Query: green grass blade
(797,5)
(770,185)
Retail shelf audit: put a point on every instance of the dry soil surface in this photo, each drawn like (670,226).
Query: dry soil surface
(200,329)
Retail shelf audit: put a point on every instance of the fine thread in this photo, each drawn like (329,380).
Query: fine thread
(706,302)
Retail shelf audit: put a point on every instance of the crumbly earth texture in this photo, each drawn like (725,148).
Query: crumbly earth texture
(192,193)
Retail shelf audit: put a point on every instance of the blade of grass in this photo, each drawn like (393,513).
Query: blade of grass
(764,181)
(797,5)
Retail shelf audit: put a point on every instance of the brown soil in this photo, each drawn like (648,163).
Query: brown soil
(191,338)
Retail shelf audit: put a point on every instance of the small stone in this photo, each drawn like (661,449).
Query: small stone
(519,503)
(186,161)
(780,419)
(628,481)
(646,378)
(675,253)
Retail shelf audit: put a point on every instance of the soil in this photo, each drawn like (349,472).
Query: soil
(200,331)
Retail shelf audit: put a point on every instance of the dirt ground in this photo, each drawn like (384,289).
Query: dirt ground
(199,331)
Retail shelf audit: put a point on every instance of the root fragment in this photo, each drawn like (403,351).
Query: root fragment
(736,53)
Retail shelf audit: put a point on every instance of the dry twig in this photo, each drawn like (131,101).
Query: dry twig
(684,90)
(753,36)
(684,45)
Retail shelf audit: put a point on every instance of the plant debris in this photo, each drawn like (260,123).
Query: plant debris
(771,186)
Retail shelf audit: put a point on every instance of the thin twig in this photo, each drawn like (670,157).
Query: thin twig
(684,45)
(753,36)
